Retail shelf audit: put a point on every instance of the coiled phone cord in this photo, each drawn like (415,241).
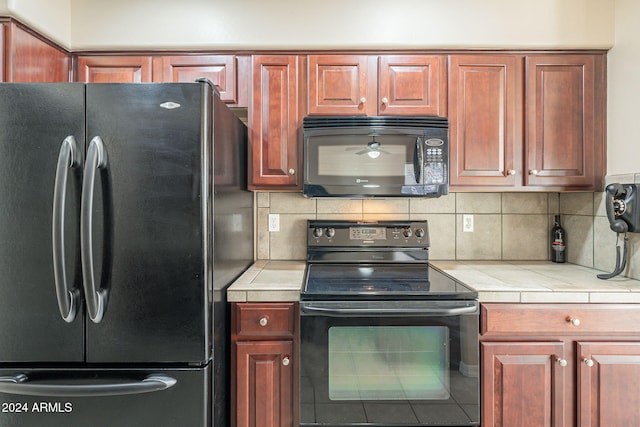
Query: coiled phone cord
(620,266)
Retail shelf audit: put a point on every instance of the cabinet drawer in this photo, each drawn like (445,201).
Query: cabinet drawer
(559,319)
(256,321)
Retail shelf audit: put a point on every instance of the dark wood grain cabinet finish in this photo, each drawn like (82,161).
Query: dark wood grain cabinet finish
(523,384)
(485,120)
(376,85)
(264,364)
(221,70)
(275,152)
(27,57)
(527,122)
(114,69)
(560,364)
(565,120)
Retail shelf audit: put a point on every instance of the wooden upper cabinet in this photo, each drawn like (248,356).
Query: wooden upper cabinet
(219,69)
(114,69)
(565,120)
(485,119)
(3,27)
(412,85)
(377,85)
(342,85)
(25,57)
(275,156)
(559,99)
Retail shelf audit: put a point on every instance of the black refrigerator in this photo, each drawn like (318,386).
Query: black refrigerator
(124,215)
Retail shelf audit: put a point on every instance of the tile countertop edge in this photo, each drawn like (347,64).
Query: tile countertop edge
(495,281)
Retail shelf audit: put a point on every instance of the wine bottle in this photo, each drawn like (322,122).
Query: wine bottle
(558,242)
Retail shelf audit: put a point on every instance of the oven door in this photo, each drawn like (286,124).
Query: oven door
(388,363)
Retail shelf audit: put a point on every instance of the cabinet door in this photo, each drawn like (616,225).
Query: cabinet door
(275,156)
(523,384)
(412,85)
(264,384)
(564,113)
(485,126)
(342,85)
(114,69)
(219,69)
(608,383)
(32,59)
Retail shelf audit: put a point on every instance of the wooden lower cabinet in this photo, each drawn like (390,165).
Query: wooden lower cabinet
(560,365)
(264,365)
(264,391)
(608,383)
(523,384)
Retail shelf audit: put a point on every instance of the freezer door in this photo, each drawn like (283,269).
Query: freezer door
(105,398)
(146,247)
(35,121)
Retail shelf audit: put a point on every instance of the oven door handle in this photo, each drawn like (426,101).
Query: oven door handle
(390,312)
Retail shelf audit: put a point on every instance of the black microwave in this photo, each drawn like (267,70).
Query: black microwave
(375,156)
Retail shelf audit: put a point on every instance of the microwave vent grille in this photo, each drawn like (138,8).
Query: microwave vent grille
(324,122)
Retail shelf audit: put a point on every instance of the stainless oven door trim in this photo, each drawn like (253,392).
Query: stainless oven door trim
(388,308)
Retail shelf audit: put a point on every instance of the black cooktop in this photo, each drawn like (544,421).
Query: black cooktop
(326,281)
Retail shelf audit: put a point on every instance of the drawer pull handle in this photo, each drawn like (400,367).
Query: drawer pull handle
(574,321)
(562,362)
(286,361)
(263,321)
(588,362)
(363,100)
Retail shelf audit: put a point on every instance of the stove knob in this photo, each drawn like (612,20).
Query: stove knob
(330,232)
(419,233)
(317,232)
(406,232)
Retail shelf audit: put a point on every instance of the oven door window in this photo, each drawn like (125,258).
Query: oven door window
(388,363)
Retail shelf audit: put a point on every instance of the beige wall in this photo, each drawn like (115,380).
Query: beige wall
(52,18)
(259,24)
(623,154)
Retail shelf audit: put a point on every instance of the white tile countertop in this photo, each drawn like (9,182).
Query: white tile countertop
(495,281)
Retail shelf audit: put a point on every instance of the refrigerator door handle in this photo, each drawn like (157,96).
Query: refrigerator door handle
(96,299)
(19,384)
(70,157)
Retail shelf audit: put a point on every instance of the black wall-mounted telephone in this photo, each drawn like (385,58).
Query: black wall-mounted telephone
(622,207)
(623,214)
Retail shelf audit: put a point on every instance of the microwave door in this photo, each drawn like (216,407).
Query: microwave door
(362,165)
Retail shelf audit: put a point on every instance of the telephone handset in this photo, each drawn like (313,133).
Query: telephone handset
(623,214)
(622,207)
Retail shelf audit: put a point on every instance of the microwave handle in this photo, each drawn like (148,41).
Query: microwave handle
(418,161)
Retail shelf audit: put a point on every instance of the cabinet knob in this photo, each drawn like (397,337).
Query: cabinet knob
(511,172)
(588,362)
(286,361)
(363,100)
(385,100)
(562,362)
(292,171)
(533,172)
(574,321)
(263,321)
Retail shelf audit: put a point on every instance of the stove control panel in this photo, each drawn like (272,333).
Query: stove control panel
(376,234)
